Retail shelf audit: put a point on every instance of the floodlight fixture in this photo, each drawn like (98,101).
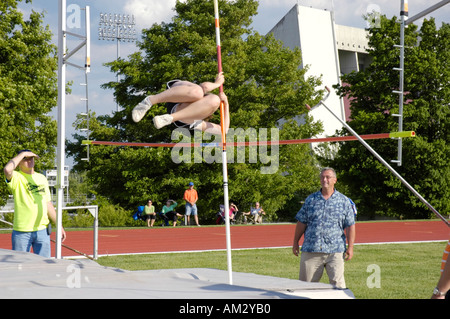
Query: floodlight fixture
(120,27)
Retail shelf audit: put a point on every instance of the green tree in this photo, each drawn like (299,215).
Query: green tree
(426,111)
(266,89)
(28,87)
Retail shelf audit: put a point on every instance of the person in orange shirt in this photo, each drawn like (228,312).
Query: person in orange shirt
(191,197)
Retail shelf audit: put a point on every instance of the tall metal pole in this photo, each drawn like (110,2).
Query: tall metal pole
(404,21)
(404,17)
(61,124)
(224,150)
(401,69)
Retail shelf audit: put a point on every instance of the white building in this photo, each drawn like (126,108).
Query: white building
(328,50)
(53,181)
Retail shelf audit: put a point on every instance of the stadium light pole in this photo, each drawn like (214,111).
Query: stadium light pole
(119,27)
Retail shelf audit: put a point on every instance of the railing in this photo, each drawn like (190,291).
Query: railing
(93,209)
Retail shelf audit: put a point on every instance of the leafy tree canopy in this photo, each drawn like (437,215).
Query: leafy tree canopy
(28,87)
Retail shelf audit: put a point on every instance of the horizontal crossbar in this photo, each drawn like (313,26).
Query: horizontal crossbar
(281,142)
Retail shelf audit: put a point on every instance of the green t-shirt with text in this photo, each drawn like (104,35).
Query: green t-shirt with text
(31,196)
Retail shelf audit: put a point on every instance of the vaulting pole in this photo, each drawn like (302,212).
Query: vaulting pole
(224,148)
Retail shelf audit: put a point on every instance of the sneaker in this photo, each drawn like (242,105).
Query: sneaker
(162,120)
(140,109)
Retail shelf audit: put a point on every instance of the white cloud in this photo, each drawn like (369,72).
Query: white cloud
(277,3)
(149,12)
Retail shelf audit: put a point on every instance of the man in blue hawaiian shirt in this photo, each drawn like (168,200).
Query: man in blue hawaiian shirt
(323,220)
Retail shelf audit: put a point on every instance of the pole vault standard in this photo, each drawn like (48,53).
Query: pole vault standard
(61,123)
(403,134)
(63,61)
(404,21)
(322,102)
(224,148)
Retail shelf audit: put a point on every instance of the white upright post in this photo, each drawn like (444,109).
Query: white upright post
(61,124)
(401,69)
(88,40)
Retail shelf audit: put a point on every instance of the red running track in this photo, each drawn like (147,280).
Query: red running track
(169,239)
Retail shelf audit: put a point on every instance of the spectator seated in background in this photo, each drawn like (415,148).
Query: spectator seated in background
(255,214)
(169,213)
(232,212)
(149,213)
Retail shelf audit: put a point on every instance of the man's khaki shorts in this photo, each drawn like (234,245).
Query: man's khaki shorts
(313,264)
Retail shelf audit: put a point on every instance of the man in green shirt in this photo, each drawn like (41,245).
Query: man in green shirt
(33,208)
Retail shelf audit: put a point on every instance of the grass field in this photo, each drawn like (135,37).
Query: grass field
(387,271)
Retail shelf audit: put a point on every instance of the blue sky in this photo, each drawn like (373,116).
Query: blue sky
(148,12)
